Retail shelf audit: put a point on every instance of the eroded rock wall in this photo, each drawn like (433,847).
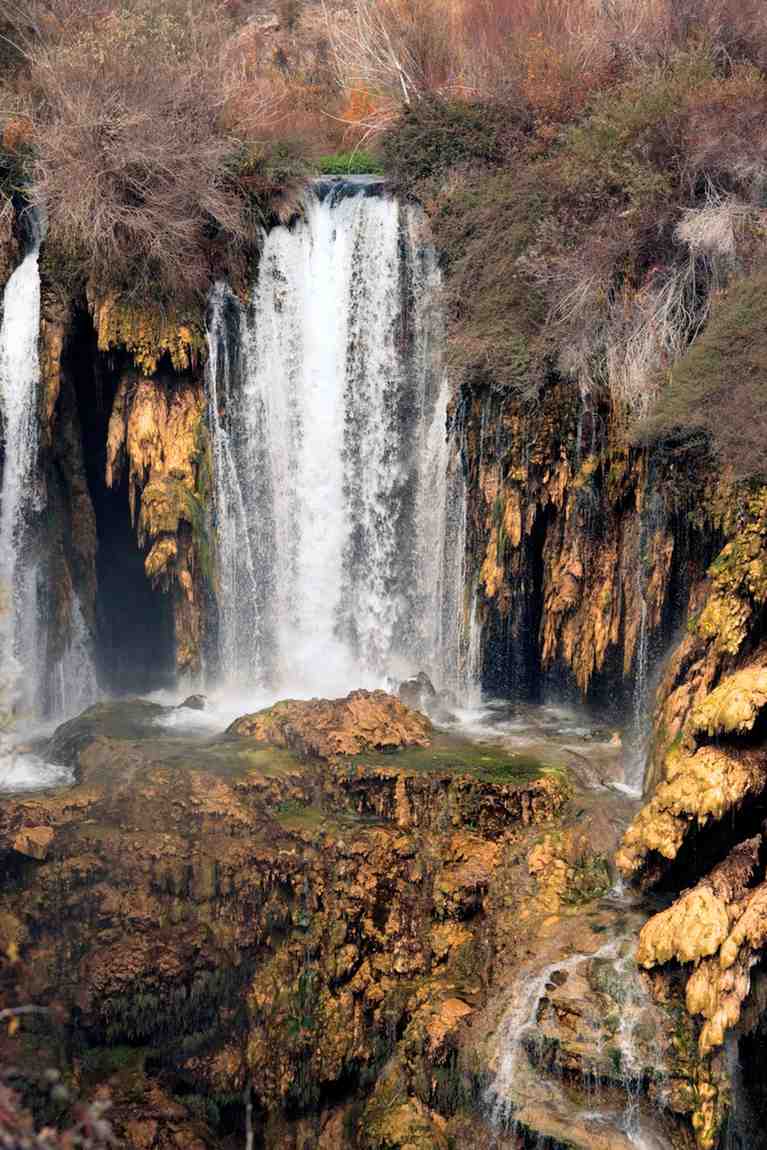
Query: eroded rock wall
(702,827)
(582,551)
(208,918)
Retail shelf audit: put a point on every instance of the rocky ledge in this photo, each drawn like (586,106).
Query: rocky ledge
(304,910)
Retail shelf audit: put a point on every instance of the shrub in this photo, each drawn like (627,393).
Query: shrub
(718,392)
(289,13)
(396,49)
(436,135)
(140,112)
(484,224)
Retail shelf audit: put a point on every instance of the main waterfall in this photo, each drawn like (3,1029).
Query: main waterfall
(338,495)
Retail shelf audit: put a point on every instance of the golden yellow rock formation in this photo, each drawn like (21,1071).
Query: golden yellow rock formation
(328,728)
(156,431)
(734,707)
(718,926)
(698,787)
(146,335)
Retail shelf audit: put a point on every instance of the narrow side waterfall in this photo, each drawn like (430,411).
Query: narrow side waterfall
(19,384)
(73,685)
(339,506)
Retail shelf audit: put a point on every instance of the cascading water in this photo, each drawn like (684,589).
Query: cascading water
(25,682)
(523,1081)
(19,383)
(339,507)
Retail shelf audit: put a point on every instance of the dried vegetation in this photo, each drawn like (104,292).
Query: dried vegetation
(595,172)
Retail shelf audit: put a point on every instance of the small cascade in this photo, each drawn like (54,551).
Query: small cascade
(652,520)
(519,1027)
(525,1088)
(19,386)
(339,499)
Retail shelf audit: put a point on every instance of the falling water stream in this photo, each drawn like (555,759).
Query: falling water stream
(19,383)
(339,505)
(71,683)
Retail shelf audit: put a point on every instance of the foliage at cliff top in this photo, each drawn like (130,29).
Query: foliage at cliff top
(161,138)
(157,138)
(719,389)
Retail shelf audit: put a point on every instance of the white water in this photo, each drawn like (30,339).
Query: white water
(71,685)
(19,384)
(339,502)
(520,1031)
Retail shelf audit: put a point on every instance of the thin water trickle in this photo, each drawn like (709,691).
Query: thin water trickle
(339,498)
(73,682)
(520,1079)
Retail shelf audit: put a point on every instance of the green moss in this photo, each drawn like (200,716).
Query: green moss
(590,879)
(459,757)
(294,816)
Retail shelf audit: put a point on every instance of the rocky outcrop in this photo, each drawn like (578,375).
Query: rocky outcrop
(578,554)
(9,244)
(707,800)
(327,729)
(216,916)
(146,335)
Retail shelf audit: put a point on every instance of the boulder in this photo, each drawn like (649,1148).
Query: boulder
(33,842)
(194,703)
(418,693)
(329,728)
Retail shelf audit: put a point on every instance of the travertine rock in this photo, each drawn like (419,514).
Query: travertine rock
(325,729)
(157,432)
(262,921)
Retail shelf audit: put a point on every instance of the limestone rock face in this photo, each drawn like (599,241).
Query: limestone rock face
(33,841)
(156,432)
(9,246)
(147,336)
(707,788)
(698,788)
(327,729)
(734,707)
(552,591)
(232,914)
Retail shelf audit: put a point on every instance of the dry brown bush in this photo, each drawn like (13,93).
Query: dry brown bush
(147,155)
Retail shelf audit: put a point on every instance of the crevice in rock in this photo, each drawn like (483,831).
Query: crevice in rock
(135,631)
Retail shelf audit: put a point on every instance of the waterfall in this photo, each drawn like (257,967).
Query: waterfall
(652,520)
(19,385)
(339,498)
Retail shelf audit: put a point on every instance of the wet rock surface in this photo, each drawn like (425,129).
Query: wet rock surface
(203,913)
(327,729)
(700,835)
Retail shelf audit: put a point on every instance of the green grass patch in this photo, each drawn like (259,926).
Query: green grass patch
(356,163)
(295,816)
